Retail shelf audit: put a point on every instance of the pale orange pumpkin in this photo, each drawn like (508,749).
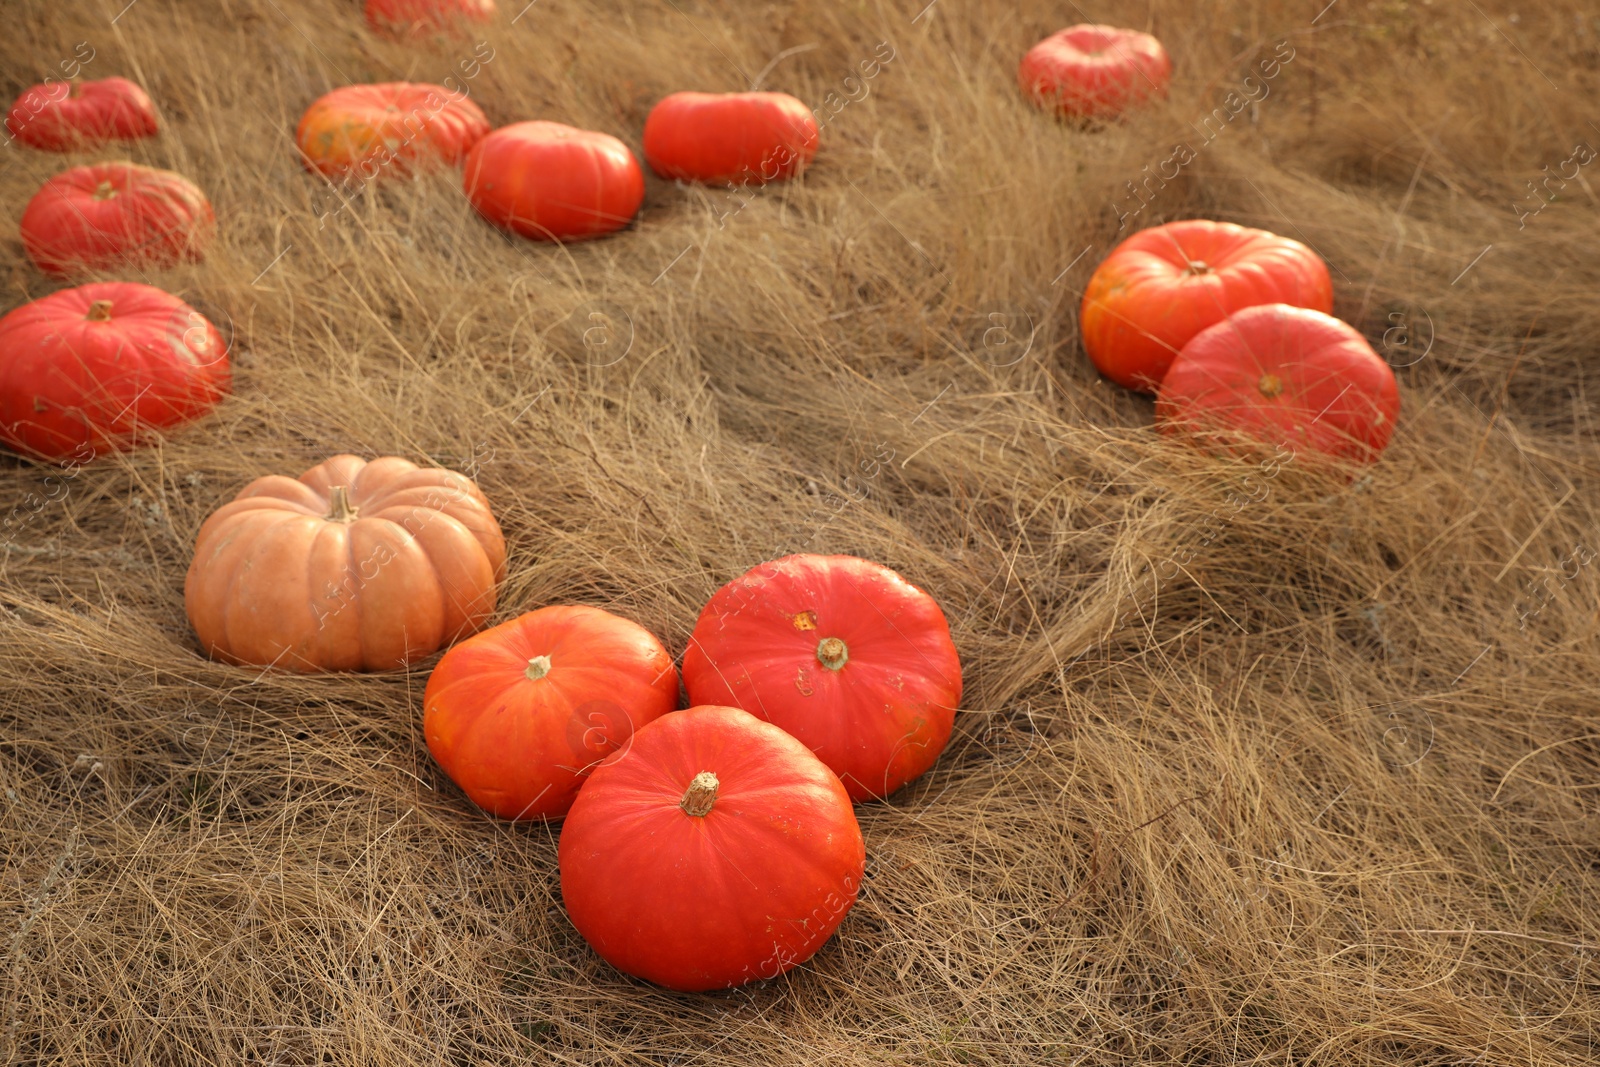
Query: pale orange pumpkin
(352,566)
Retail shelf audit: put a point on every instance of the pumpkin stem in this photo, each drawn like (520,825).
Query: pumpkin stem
(701,795)
(1270,385)
(537,668)
(99,311)
(341,510)
(1199,266)
(832,653)
(105,191)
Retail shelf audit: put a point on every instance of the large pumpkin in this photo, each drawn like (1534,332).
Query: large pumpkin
(553,182)
(730,137)
(1094,72)
(70,116)
(109,215)
(352,566)
(419,18)
(520,714)
(716,850)
(1160,287)
(1284,376)
(105,366)
(390,128)
(844,654)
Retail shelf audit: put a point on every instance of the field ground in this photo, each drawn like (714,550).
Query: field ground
(1325,794)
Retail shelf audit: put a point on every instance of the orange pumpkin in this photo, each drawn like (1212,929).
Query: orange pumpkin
(352,566)
(360,131)
(520,714)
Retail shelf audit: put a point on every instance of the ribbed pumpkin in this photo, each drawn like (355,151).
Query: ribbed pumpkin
(109,215)
(420,18)
(352,566)
(553,182)
(730,137)
(72,116)
(1094,72)
(392,128)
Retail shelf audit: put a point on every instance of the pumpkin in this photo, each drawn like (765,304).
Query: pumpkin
(553,182)
(420,18)
(103,367)
(352,566)
(729,137)
(846,655)
(69,116)
(1161,286)
(1284,376)
(358,130)
(520,714)
(716,850)
(108,215)
(1094,72)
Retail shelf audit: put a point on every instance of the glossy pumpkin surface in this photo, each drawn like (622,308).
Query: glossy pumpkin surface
(104,367)
(72,116)
(519,714)
(352,566)
(730,137)
(1094,72)
(551,182)
(1284,376)
(1162,286)
(422,18)
(846,655)
(111,215)
(714,851)
(394,128)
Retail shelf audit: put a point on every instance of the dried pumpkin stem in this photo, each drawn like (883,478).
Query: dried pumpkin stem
(537,668)
(1270,385)
(701,795)
(833,653)
(1199,266)
(105,191)
(341,511)
(99,311)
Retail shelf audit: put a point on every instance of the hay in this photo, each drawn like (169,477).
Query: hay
(1324,794)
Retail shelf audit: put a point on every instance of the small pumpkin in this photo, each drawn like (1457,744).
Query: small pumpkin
(519,714)
(715,851)
(1285,376)
(730,137)
(72,116)
(421,18)
(1161,286)
(552,182)
(1094,72)
(352,566)
(110,215)
(395,128)
(841,652)
(104,367)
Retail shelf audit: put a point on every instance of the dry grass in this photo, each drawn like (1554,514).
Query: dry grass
(1327,795)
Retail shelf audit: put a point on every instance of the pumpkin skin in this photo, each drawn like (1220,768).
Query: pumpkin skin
(1094,72)
(520,714)
(360,130)
(71,116)
(846,655)
(102,367)
(551,182)
(730,137)
(352,566)
(1161,286)
(110,215)
(1284,376)
(420,18)
(714,851)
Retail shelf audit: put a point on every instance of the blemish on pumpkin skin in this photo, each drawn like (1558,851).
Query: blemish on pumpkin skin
(802,682)
(806,620)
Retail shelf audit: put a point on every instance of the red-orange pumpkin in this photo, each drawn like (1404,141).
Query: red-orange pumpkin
(730,137)
(352,566)
(396,128)
(1094,72)
(110,215)
(70,116)
(520,714)
(1285,376)
(553,182)
(1160,287)
(104,367)
(714,851)
(844,654)
(421,18)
